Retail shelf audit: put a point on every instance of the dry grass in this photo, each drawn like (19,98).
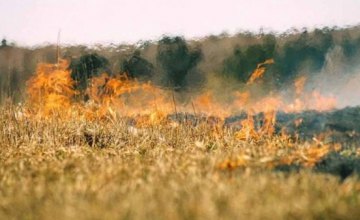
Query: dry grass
(77,169)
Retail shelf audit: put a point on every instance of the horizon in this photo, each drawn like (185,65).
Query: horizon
(36,22)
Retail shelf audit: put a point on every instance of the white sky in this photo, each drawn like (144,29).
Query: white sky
(30,22)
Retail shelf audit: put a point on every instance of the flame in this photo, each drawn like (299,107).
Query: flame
(51,89)
(299,85)
(259,71)
(269,123)
(306,156)
(248,131)
(323,103)
(129,98)
(206,104)
(51,92)
(242,100)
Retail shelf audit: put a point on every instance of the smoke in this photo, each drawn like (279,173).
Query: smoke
(338,78)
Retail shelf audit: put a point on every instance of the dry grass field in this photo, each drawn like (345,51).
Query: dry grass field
(78,169)
(62,159)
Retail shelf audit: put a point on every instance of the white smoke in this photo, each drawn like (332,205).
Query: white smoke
(338,79)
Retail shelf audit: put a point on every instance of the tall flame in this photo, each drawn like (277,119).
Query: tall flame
(51,89)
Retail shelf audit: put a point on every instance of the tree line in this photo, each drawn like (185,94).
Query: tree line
(179,64)
(175,60)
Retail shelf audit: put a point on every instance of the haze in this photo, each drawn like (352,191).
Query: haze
(31,22)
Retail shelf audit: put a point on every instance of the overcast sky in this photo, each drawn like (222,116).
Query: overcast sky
(30,22)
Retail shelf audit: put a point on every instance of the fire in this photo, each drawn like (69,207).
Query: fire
(259,71)
(323,103)
(248,130)
(51,89)
(51,92)
(269,122)
(128,98)
(206,104)
(309,100)
(242,99)
(299,85)
(306,156)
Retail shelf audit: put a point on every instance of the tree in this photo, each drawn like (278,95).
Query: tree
(176,60)
(138,67)
(242,63)
(4,43)
(350,46)
(236,65)
(306,51)
(86,67)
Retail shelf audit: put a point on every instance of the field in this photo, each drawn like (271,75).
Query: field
(179,110)
(79,169)
(127,149)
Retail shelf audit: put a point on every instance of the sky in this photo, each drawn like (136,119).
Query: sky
(34,22)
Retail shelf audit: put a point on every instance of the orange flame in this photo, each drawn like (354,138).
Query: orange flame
(51,89)
(299,85)
(121,96)
(259,71)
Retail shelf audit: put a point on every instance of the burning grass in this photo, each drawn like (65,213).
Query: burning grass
(109,169)
(128,153)
(51,91)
